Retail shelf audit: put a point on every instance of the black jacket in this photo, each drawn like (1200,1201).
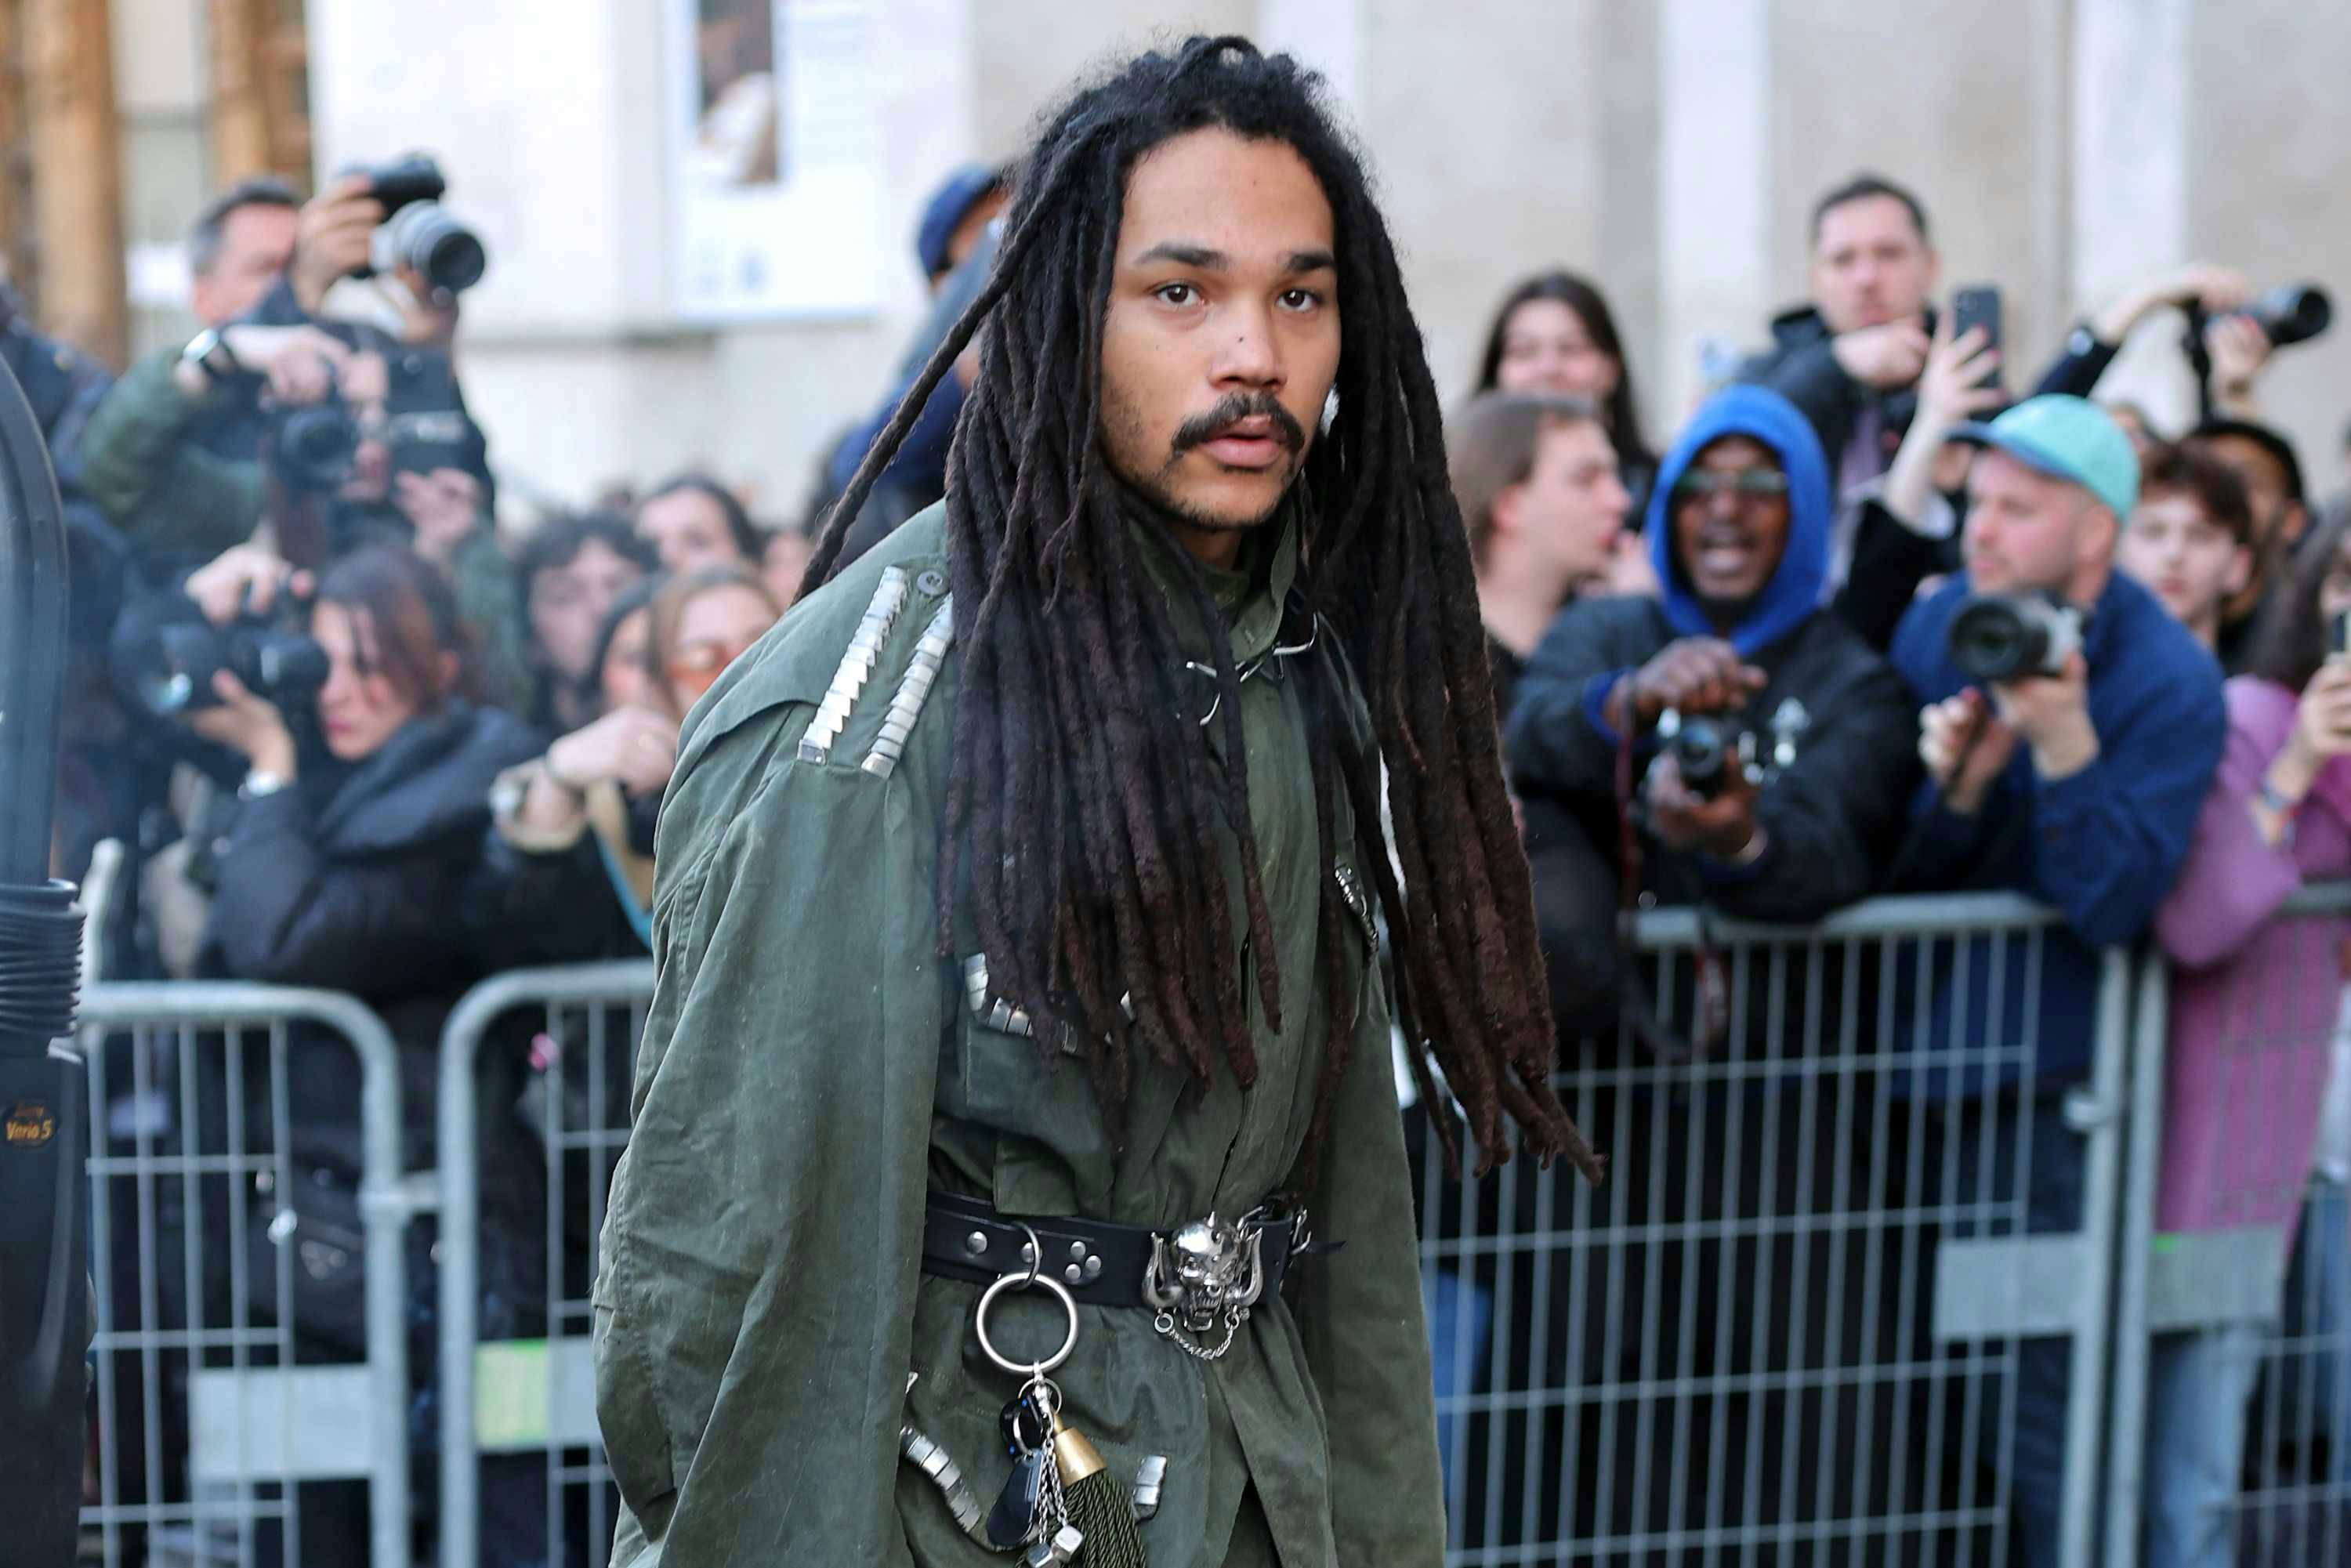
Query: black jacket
(1830,817)
(366,879)
(1801,365)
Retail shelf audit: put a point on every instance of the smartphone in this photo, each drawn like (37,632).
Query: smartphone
(1978,305)
(2338,636)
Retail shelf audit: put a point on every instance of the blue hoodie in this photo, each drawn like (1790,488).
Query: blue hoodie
(1795,589)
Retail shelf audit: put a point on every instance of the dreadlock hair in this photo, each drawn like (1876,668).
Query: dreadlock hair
(1082,806)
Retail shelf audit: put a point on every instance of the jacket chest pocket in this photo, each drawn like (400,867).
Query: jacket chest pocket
(1000,1071)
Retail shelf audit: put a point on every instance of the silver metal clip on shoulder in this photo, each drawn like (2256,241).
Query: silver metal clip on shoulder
(856,665)
(906,704)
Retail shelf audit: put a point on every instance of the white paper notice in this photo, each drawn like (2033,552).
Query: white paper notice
(775,164)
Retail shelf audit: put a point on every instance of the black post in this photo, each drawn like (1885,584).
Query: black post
(44,1123)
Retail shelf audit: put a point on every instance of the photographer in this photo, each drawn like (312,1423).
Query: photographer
(1785,819)
(1738,534)
(2076,781)
(350,862)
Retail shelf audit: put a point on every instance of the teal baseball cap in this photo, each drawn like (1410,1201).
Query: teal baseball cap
(2067,438)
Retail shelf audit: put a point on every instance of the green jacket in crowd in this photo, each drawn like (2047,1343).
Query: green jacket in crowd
(811,1070)
(169,495)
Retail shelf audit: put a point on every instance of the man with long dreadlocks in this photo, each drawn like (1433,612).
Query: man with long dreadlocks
(1017,1153)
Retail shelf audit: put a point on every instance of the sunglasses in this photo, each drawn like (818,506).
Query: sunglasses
(694,667)
(1751,483)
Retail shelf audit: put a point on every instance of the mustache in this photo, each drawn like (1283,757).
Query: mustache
(1232,409)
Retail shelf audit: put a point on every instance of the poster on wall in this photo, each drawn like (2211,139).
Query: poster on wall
(776,151)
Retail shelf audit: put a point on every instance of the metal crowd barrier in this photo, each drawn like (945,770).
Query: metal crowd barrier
(1789,1328)
(219,1418)
(535,1396)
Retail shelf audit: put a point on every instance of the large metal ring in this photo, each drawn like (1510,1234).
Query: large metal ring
(1046,1282)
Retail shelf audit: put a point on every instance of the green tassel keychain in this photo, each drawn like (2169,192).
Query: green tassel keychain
(1098,1505)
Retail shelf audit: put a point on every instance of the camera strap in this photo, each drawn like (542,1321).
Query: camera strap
(1712,1006)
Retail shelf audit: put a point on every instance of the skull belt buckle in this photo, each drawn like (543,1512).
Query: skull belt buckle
(1203,1273)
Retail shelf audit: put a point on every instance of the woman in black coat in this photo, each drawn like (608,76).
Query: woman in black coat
(351,862)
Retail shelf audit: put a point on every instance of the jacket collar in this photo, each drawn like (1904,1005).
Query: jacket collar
(1251,599)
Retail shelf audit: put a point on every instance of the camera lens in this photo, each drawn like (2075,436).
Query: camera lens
(2293,313)
(1993,639)
(318,446)
(285,664)
(1701,750)
(450,257)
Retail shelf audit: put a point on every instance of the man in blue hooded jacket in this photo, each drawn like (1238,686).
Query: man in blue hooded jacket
(1737,528)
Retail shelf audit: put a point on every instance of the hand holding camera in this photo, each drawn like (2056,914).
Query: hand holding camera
(241,581)
(1713,815)
(332,238)
(388,220)
(1965,747)
(1691,676)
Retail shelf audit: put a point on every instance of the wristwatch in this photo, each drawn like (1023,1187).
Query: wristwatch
(259,784)
(209,352)
(2082,342)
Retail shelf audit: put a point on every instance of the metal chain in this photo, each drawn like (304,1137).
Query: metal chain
(1165,1324)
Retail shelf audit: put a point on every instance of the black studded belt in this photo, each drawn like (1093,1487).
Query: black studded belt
(1207,1264)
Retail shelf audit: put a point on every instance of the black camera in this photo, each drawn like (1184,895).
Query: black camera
(418,231)
(2292,312)
(1708,753)
(313,447)
(164,654)
(2007,637)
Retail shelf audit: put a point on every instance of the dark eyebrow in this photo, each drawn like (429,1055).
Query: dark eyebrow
(1185,255)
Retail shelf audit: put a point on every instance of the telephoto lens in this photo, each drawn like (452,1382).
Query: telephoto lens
(2005,637)
(2292,312)
(164,654)
(449,256)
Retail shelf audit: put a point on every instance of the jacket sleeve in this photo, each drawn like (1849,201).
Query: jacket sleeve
(761,1256)
(1361,1321)
(286,913)
(1890,559)
(2076,373)
(1555,739)
(2110,839)
(161,489)
(547,905)
(1810,378)
(1831,821)
(2231,881)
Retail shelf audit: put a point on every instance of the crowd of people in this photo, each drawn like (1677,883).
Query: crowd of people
(1773,698)
(355,739)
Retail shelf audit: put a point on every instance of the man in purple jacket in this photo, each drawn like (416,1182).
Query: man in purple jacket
(2078,788)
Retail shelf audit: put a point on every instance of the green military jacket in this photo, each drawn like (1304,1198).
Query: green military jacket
(810,1068)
